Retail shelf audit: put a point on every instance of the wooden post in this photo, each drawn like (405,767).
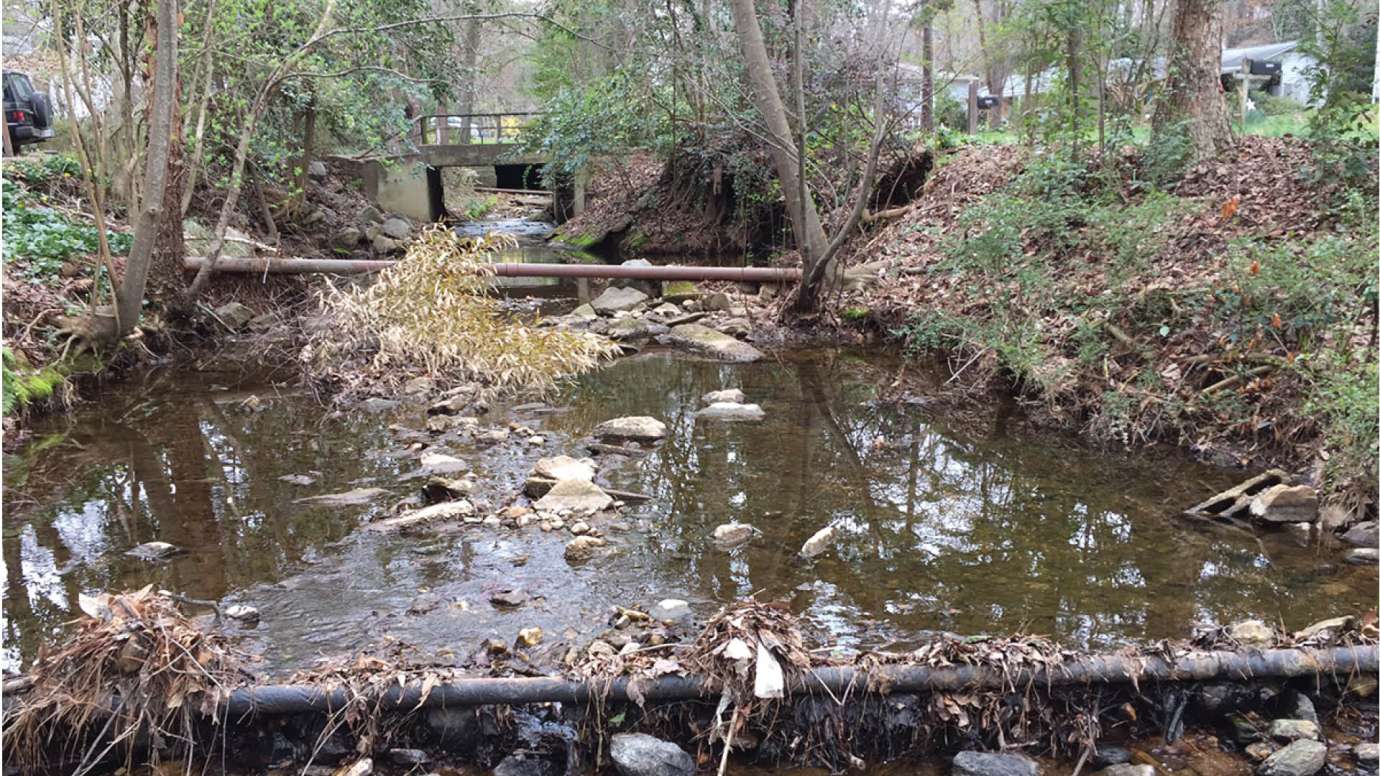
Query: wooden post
(578,204)
(1243,85)
(443,132)
(972,107)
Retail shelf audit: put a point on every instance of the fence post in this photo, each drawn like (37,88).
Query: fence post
(972,107)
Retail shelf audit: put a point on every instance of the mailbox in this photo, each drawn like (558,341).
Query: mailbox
(1262,67)
(988,102)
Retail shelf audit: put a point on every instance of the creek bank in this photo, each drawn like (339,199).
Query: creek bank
(924,691)
(989,272)
(256,317)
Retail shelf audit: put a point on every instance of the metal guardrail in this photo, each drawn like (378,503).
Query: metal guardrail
(471,128)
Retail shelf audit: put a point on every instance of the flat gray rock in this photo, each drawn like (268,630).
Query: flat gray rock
(638,754)
(638,428)
(350,498)
(715,344)
(1301,758)
(155,551)
(993,764)
(732,412)
(574,496)
(730,395)
(617,298)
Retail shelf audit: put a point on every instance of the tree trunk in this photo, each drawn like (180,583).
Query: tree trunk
(471,64)
(1193,102)
(198,147)
(988,73)
(299,196)
(805,225)
(927,71)
(1075,76)
(162,106)
(165,275)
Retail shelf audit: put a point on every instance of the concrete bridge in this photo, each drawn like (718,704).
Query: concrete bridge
(412,184)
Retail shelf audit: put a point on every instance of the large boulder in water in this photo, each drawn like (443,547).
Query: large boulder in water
(638,754)
(637,428)
(617,298)
(716,344)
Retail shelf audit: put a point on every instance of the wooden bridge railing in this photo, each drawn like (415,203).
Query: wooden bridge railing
(466,128)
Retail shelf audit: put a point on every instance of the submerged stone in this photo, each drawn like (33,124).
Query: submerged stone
(446,510)
(349,498)
(1363,556)
(1127,769)
(819,543)
(582,548)
(155,551)
(733,534)
(242,613)
(526,765)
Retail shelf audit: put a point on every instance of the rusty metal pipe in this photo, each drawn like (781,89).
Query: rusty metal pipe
(260,265)
(668,272)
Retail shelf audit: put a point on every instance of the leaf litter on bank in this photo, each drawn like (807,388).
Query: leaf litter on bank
(178,673)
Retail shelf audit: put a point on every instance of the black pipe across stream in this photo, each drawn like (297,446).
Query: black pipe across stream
(836,681)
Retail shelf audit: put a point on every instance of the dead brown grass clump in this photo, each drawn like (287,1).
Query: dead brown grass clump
(432,314)
(136,674)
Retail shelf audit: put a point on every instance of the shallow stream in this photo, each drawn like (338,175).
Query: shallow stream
(945,523)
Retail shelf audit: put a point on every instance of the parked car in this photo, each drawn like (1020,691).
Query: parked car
(28,116)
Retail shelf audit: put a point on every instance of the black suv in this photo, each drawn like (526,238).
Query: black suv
(28,116)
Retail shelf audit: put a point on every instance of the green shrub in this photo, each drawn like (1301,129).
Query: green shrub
(42,169)
(42,238)
(1270,105)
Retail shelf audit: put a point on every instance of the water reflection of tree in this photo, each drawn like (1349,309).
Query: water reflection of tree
(190,471)
(944,529)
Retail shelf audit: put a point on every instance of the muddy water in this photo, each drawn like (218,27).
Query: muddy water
(943,524)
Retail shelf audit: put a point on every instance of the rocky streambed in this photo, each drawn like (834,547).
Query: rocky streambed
(444,523)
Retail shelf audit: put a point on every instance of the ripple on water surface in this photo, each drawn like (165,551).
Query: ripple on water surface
(941,524)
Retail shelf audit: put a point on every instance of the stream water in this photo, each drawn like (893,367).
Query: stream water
(950,525)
